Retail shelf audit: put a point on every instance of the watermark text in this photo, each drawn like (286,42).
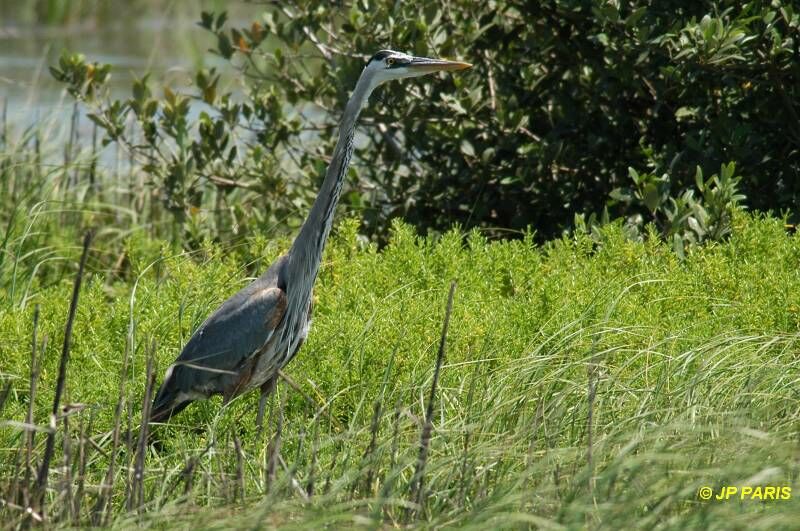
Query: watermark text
(745,492)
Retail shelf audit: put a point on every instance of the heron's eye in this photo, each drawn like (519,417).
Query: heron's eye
(389,61)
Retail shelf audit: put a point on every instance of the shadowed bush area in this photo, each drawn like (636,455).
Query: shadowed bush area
(688,369)
(568,104)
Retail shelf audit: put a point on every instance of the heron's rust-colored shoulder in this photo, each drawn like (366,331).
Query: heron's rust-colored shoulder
(274,315)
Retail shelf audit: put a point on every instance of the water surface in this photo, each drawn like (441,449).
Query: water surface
(135,37)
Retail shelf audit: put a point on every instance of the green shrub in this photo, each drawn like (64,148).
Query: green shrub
(564,97)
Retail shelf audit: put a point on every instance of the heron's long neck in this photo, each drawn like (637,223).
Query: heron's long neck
(306,252)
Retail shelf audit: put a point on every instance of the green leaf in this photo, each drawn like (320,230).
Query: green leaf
(221,20)
(695,226)
(219,129)
(651,196)
(620,194)
(633,175)
(57,74)
(206,19)
(635,16)
(96,120)
(677,246)
(224,46)
(698,178)
(684,113)
(140,91)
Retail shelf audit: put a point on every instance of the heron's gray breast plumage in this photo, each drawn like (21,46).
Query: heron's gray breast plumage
(290,332)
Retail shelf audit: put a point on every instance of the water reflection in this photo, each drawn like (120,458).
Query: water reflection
(135,37)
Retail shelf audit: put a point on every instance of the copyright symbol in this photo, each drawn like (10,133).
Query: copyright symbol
(705,493)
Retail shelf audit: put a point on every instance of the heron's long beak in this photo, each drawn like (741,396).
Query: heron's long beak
(425,65)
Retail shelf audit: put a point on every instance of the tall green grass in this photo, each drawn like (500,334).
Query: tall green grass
(585,383)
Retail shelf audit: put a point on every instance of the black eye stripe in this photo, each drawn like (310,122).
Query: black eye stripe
(383,54)
(389,58)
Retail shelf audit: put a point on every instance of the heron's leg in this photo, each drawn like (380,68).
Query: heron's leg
(266,389)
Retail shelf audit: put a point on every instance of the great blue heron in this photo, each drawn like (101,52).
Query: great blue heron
(247,340)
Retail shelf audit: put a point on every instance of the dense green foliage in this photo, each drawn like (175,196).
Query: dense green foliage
(564,98)
(692,363)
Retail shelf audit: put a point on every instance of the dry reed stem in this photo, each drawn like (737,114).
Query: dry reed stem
(41,480)
(427,427)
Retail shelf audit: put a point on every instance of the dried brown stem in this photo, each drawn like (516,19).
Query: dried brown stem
(237,445)
(41,480)
(137,494)
(275,446)
(99,509)
(427,427)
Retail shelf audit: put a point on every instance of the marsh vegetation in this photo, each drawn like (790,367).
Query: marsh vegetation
(598,369)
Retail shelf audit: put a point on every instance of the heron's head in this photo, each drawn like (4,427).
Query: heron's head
(388,64)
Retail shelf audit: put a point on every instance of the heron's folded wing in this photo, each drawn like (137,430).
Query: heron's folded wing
(233,333)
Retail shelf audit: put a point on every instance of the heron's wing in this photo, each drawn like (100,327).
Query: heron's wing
(218,353)
(211,359)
